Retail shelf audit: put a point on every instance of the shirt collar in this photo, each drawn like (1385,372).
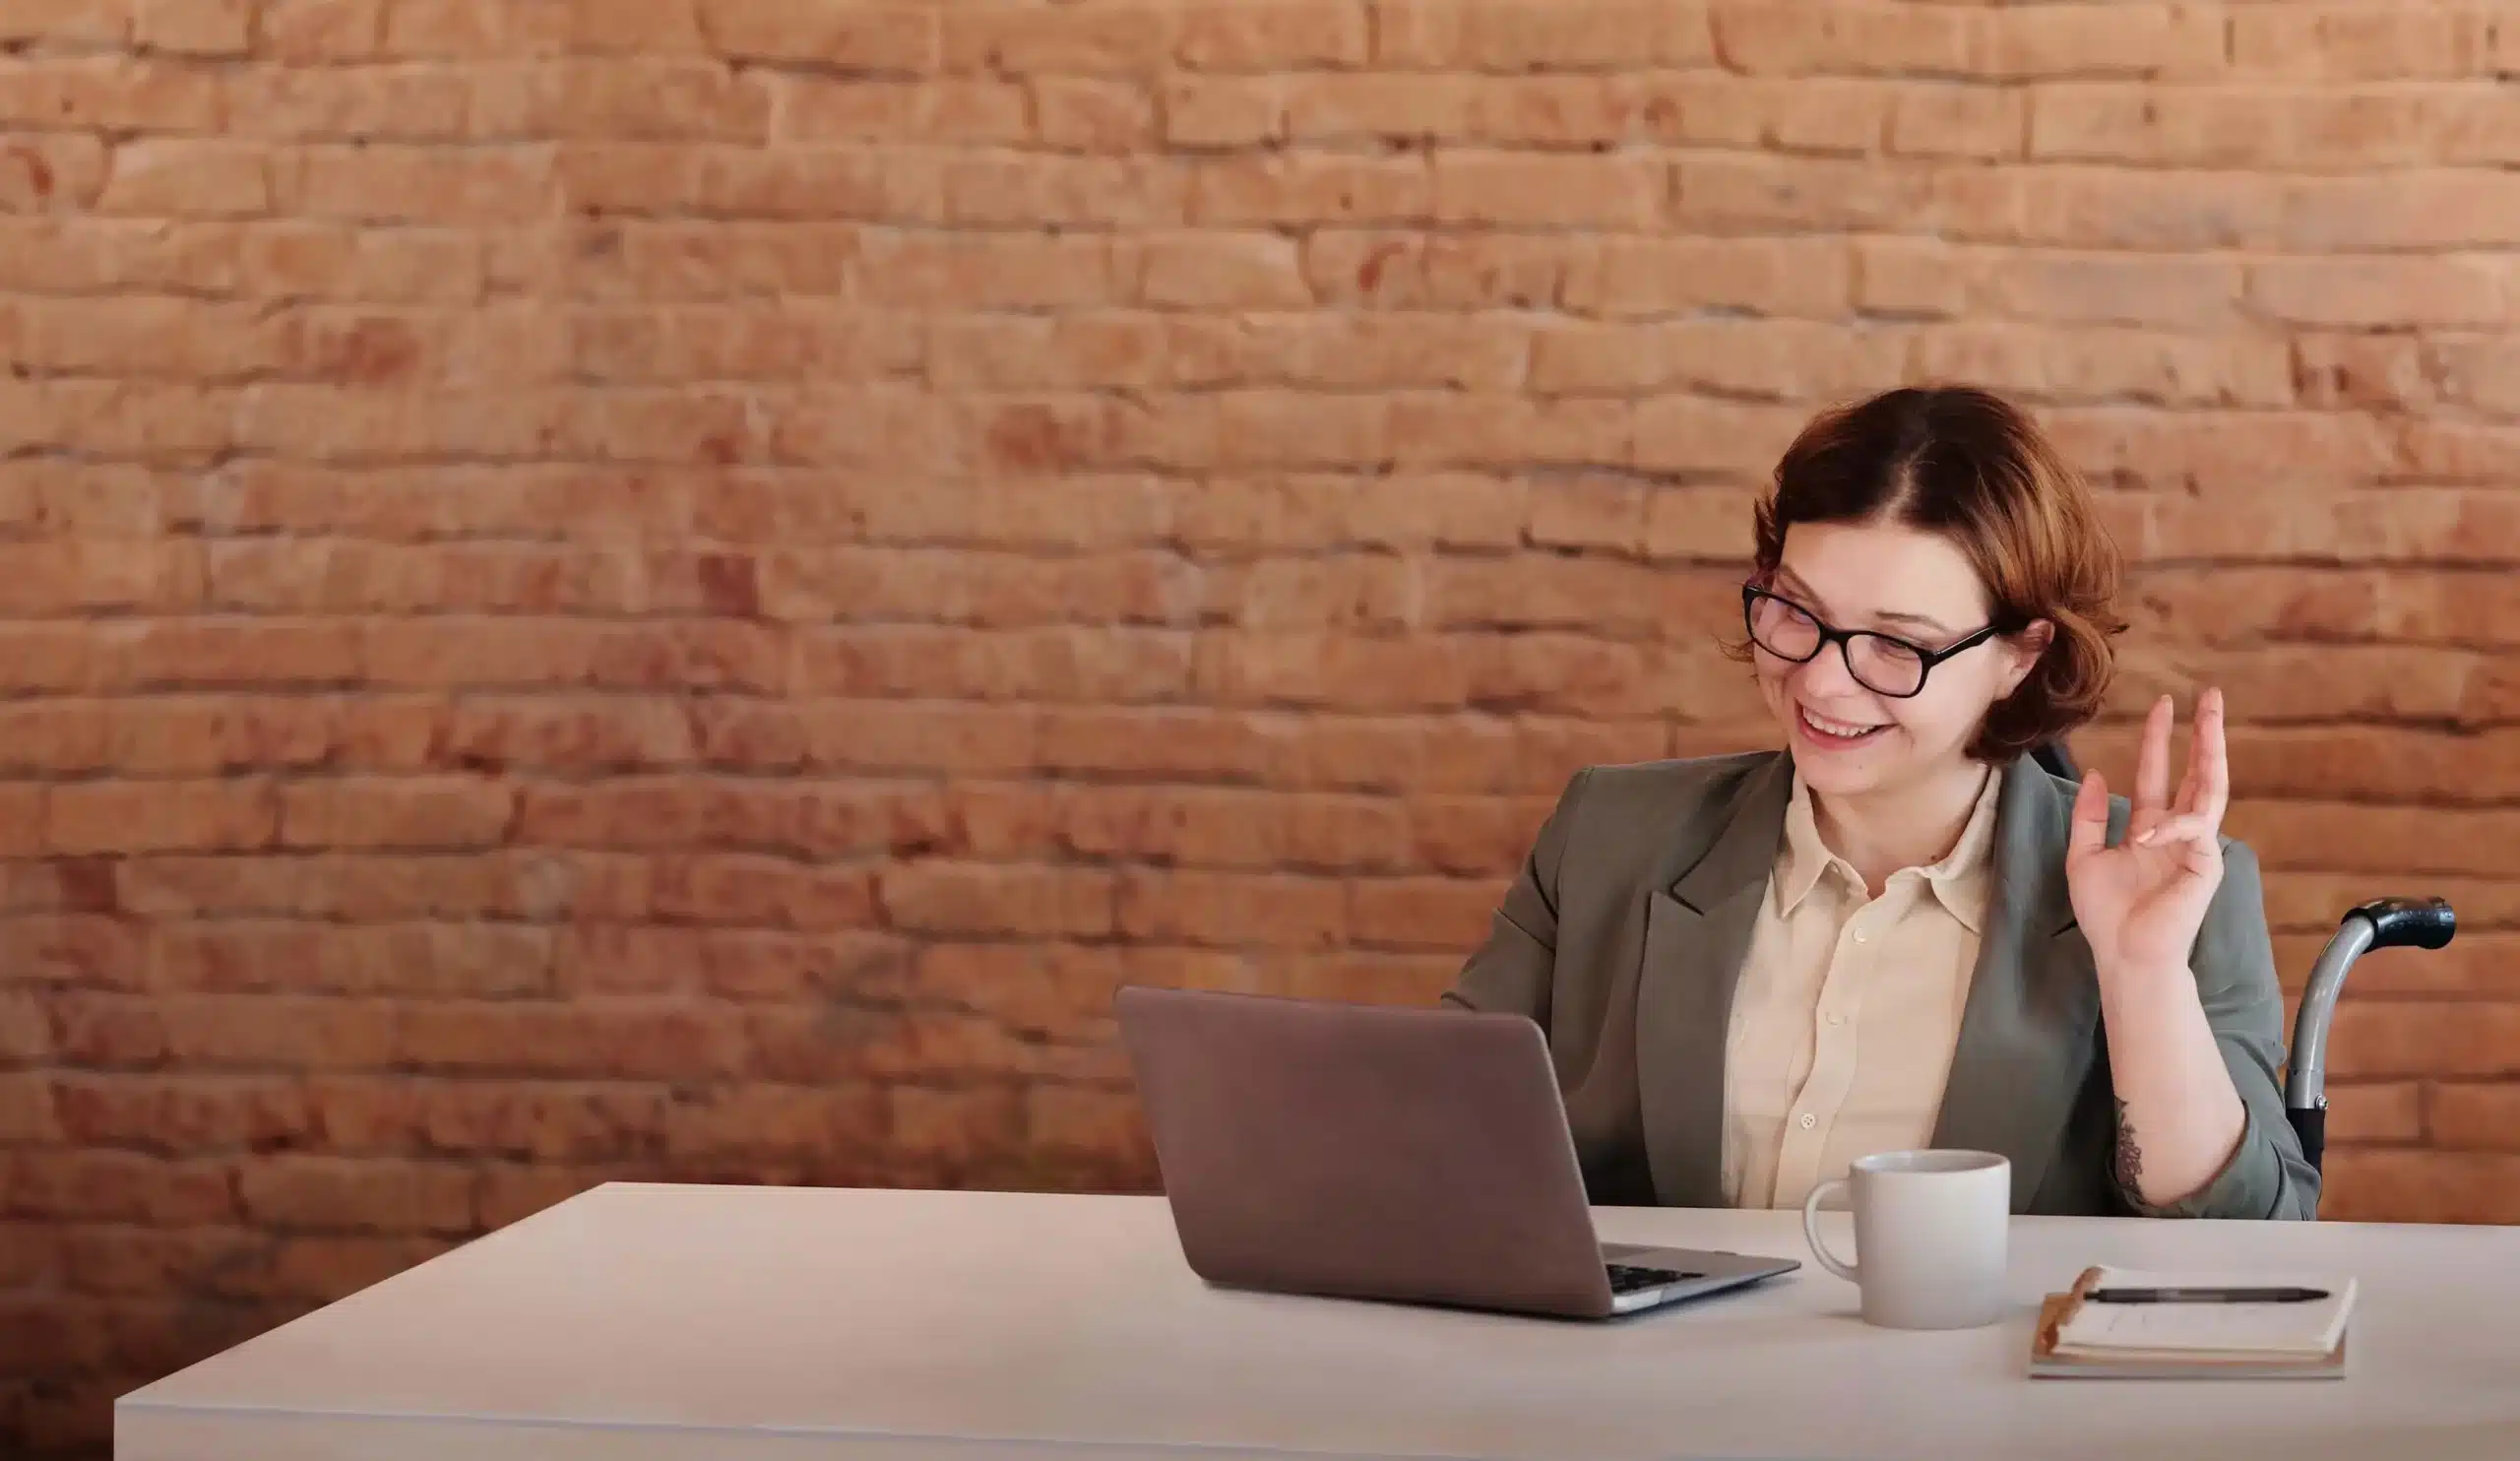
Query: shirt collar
(1958,879)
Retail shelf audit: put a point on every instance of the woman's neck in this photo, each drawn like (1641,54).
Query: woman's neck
(1906,826)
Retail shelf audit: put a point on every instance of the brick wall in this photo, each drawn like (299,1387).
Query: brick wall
(670,588)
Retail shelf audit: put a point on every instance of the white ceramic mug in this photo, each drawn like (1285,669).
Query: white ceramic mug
(1930,1230)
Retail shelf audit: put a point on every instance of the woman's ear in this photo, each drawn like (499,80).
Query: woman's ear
(2026,647)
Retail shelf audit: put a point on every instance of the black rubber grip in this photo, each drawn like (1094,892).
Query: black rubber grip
(2312,1127)
(2409,923)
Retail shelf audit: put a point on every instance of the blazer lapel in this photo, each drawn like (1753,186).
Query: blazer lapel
(1699,913)
(2025,1045)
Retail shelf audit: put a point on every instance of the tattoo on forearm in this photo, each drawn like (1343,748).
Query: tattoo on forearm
(2130,1157)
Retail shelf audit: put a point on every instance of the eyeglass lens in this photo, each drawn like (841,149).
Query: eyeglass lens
(1885,665)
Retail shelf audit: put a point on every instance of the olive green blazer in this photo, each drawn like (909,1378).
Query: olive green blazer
(1623,936)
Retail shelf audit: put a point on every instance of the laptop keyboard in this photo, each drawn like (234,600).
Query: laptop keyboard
(1627,1278)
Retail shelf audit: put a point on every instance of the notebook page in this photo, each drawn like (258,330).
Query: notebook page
(2275,1329)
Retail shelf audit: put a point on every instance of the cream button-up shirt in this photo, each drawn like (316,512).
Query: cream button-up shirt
(1848,1008)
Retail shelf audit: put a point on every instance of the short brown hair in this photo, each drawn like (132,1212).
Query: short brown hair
(1966,465)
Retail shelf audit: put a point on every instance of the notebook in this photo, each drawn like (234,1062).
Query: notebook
(2077,1338)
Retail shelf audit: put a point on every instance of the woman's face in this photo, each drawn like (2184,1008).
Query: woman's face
(1853,734)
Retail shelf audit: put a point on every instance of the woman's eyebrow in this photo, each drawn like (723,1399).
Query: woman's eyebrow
(1802,590)
(1936,625)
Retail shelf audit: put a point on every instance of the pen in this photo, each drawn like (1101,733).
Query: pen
(2205,1296)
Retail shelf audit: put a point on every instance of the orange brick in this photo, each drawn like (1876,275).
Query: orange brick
(1098,37)
(1330,107)
(167,177)
(2108,288)
(534,1036)
(117,94)
(2430,1039)
(816,109)
(384,185)
(27,1109)
(2144,209)
(992,270)
(1697,435)
(2380,1185)
(1011,189)
(1273,34)
(1954,121)
(1223,110)
(1089,115)
(1232,911)
(1553,34)
(111,1260)
(1741,193)
(205,734)
(1420,913)
(1096,1123)
(2464,1115)
(2349,42)
(1845,35)
(1506,432)
(2395,1112)
(459,30)
(85,947)
(1311,188)
(764,891)
(326,1268)
(546,1120)
(1590,110)
(2360,293)
(126,816)
(1213,270)
(427,959)
(758,1124)
(2097,364)
(1508,189)
(511,1193)
(415,812)
(2155,41)
(299,32)
(47,171)
(1633,277)
(1452,271)
(625,100)
(981,899)
(859,38)
(339,1194)
(198,28)
(79,22)
(119,1186)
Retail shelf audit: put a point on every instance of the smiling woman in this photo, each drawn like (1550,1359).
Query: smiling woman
(1900,930)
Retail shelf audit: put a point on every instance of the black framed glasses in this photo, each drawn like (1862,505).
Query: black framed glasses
(1883,663)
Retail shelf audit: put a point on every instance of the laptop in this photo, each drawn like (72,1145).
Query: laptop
(1373,1152)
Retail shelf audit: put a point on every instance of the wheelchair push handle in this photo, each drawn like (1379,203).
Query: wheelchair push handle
(2381,923)
(2409,923)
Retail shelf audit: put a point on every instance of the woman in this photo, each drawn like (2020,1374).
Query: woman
(1900,930)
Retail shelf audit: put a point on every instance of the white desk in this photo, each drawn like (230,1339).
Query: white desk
(674,1323)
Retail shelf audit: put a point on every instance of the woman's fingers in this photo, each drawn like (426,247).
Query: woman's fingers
(2151,800)
(2211,759)
(2205,788)
(2088,832)
(2193,827)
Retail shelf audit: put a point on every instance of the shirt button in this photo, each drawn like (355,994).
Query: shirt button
(1860,935)
(1836,1019)
(1808,1120)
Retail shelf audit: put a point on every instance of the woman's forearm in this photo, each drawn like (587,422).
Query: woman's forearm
(2179,1117)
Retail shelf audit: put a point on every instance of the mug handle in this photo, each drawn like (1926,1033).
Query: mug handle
(1811,1231)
